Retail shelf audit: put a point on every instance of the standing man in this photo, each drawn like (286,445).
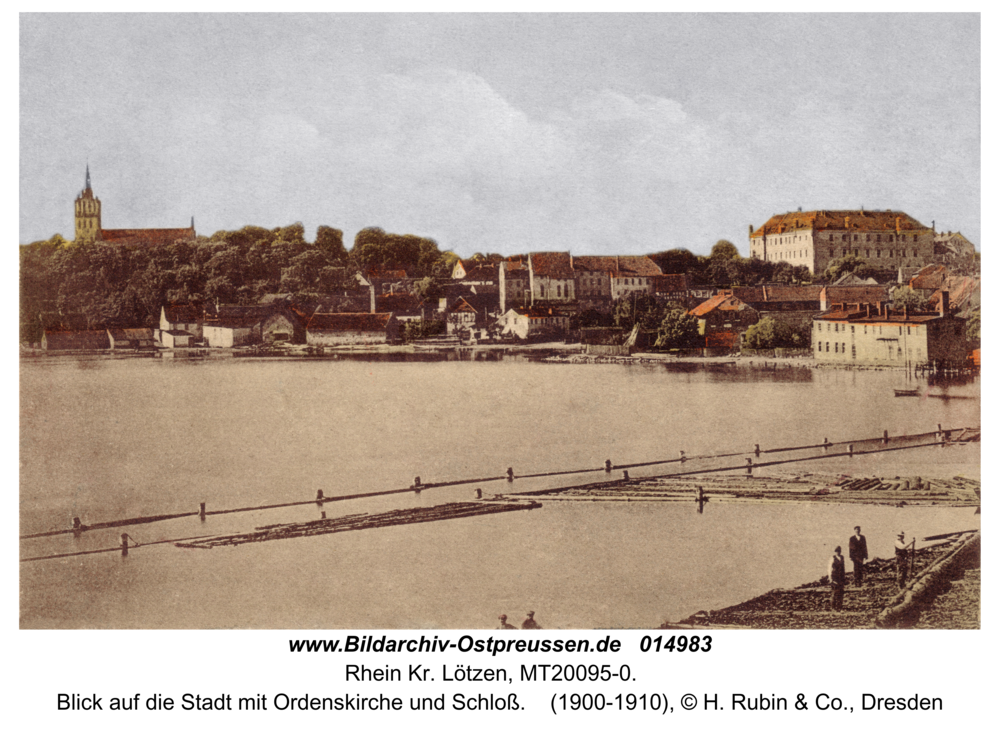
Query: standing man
(837,579)
(529,623)
(903,558)
(504,625)
(857,548)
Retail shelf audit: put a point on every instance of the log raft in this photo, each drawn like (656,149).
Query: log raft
(357,522)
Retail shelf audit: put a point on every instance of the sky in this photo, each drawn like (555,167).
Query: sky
(596,134)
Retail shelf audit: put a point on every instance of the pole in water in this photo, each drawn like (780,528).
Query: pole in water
(478,493)
(850,450)
(124,539)
(607,466)
(319,494)
(885,436)
(322,515)
(826,444)
(416,484)
(510,474)
(749,467)
(624,475)
(683,457)
(201,510)
(77,526)
(756,449)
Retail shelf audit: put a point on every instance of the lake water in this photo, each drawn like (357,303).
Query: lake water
(106,439)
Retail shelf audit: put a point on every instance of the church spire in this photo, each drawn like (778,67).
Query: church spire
(87,187)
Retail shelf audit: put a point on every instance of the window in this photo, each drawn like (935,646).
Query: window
(854,352)
(827,346)
(819,346)
(852,329)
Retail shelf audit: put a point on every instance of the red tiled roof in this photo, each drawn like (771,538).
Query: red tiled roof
(854,294)
(620,265)
(349,322)
(722,302)
(670,282)
(156,235)
(870,220)
(551,265)
(929,277)
(396,302)
(182,313)
(888,316)
(762,294)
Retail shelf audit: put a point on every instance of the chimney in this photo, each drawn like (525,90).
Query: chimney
(751,232)
(945,303)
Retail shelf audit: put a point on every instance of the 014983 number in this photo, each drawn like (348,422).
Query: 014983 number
(679,643)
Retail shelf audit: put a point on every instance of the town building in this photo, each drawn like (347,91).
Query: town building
(132,338)
(723,320)
(182,317)
(352,329)
(62,340)
(954,250)
(534,323)
(888,238)
(88,227)
(880,335)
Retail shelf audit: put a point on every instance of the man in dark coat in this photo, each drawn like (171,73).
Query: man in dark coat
(837,579)
(529,623)
(903,556)
(857,548)
(504,625)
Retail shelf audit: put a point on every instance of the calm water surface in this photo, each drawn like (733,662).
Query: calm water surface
(107,439)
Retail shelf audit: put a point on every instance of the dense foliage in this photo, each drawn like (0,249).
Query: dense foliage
(678,329)
(725,267)
(769,333)
(114,285)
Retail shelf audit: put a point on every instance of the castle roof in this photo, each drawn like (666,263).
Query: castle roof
(861,220)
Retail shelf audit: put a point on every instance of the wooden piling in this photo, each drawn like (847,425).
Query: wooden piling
(124,541)
(201,511)
(478,493)
(319,494)
(607,466)
(510,475)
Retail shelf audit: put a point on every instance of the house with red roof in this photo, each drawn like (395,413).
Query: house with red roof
(723,320)
(881,335)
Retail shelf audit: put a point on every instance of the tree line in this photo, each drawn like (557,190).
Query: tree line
(114,285)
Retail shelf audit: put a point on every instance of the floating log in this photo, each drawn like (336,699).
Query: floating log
(397,517)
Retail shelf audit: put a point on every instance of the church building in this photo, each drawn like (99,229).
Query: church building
(88,225)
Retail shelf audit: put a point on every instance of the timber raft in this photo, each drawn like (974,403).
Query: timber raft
(944,592)
(355,522)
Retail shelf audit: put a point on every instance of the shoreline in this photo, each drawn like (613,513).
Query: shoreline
(549,352)
(943,592)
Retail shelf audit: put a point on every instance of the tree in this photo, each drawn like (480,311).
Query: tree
(973,326)
(637,308)
(427,288)
(677,329)
(725,250)
(676,260)
(331,241)
(905,296)
(769,333)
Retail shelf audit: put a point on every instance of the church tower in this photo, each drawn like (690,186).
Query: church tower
(88,214)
